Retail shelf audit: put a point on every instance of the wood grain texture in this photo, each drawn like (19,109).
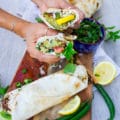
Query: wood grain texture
(12,49)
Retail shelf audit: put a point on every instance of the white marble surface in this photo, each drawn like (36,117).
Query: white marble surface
(12,49)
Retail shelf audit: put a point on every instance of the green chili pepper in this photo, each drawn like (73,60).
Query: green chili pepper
(83,112)
(68,117)
(107,100)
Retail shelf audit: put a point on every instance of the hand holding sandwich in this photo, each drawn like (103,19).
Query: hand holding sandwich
(44,5)
(30,32)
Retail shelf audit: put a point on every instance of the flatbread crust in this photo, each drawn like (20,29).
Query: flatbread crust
(67,11)
(89,7)
(44,93)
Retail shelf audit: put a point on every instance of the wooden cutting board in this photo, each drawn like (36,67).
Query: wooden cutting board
(33,71)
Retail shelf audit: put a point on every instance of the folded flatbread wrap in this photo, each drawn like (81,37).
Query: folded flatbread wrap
(52,17)
(54,45)
(44,93)
(88,7)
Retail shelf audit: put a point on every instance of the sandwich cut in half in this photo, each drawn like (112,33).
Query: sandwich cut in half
(44,93)
(54,45)
(60,19)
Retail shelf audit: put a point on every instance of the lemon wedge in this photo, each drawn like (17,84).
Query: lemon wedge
(105,73)
(71,106)
(65,19)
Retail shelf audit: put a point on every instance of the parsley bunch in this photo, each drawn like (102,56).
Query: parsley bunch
(88,32)
(3,90)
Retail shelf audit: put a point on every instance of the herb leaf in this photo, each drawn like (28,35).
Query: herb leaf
(69,51)
(69,68)
(39,20)
(109,28)
(57,15)
(27,81)
(5,115)
(19,85)
(3,90)
(112,34)
(24,71)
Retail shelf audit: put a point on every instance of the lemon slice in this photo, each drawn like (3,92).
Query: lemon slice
(65,19)
(71,106)
(105,73)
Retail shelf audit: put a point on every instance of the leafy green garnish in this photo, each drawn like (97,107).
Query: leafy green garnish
(3,90)
(69,51)
(109,28)
(112,34)
(57,15)
(24,71)
(19,85)
(69,68)
(39,20)
(88,32)
(27,81)
(5,115)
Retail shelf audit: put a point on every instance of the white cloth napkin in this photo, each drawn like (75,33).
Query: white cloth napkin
(30,12)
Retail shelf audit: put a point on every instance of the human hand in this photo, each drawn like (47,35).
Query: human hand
(45,4)
(31,32)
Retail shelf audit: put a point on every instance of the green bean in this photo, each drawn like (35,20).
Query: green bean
(68,117)
(108,101)
(83,112)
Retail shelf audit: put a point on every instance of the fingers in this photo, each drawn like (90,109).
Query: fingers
(41,4)
(51,32)
(64,4)
(51,3)
(49,58)
(44,57)
(34,53)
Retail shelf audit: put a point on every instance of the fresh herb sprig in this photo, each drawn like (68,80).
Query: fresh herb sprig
(24,71)
(112,34)
(3,90)
(5,116)
(69,51)
(69,68)
(25,82)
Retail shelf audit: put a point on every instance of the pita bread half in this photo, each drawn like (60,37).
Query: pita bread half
(46,44)
(63,13)
(89,7)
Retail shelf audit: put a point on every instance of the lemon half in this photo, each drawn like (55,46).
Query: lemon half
(71,106)
(105,73)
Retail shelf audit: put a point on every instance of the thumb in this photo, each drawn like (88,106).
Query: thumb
(43,8)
